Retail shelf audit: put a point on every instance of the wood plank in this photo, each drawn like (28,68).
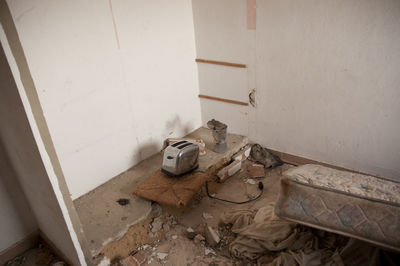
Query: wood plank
(222,100)
(221,63)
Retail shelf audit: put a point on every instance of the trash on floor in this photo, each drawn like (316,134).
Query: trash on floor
(264,237)
(256,170)
(261,155)
(136,259)
(229,170)
(42,255)
(156,225)
(211,236)
(199,238)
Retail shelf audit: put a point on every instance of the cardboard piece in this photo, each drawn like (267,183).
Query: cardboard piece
(174,191)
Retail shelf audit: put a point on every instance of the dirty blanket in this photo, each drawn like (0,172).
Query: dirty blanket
(264,237)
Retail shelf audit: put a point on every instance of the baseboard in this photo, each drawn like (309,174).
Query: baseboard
(20,247)
(298,160)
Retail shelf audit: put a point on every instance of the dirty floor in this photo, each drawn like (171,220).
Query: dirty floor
(104,220)
(164,238)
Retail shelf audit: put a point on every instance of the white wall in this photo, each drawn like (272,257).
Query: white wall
(17,221)
(327,75)
(108,107)
(221,35)
(20,146)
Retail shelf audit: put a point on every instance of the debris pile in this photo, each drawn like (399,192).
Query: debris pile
(211,236)
(261,155)
(256,170)
(42,255)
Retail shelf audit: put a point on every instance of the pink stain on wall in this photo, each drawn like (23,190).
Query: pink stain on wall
(251,14)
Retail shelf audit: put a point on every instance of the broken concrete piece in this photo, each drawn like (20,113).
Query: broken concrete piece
(208,251)
(229,170)
(207,215)
(162,255)
(128,261)
(156,225)
(174,237)
(171,220)
(140,257)
(104,262)
(166,227)
(144,247)
(242,154)
(190,233)
(156,209)
(212,237)
(250,181)
(136,259)
(198,238)
(256,170)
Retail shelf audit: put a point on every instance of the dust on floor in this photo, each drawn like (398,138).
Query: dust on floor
(170,243)
(171,236)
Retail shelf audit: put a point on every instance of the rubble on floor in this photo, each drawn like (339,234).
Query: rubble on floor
(211,236)
(210,232)
(256,170)
(42,255)
(229,170)
(263,156)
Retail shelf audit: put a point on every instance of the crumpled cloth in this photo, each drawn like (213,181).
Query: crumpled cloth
(264,237)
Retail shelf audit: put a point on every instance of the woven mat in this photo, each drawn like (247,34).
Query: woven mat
(174,191)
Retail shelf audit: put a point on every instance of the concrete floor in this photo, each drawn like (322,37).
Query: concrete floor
(105,221)
(174,241)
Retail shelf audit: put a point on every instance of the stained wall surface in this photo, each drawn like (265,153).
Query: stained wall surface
(326,75)
(114,79)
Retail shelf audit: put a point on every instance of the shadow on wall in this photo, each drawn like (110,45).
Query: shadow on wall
(174,128)
(8,179)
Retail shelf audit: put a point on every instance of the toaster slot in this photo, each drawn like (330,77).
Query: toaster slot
(184,145)
(178,143)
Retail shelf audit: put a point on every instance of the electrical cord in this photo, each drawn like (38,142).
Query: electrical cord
(260,187)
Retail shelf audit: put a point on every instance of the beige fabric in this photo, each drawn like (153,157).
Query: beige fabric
(264,237)
(352,183)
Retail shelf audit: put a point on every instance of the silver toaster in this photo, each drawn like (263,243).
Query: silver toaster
(180,158)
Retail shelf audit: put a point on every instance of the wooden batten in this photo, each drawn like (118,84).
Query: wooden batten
(222,100)
(221,63)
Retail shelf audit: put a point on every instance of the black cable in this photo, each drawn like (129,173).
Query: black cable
(260,187)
